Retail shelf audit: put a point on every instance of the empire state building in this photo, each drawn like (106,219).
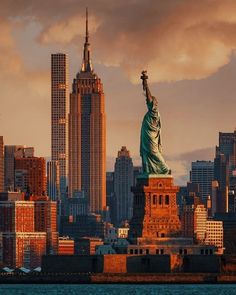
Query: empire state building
(87,134)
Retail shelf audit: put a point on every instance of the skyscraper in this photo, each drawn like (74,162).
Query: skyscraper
(225,171)
(227,147)
(110,195)
(87,134)
(1,164)
(123,181)
(220,186)
(59,111)
(202,172)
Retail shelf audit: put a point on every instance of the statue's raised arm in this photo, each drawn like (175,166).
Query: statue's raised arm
(150,145)
(144,77)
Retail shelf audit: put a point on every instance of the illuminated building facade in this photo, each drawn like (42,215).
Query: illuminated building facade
(87,135)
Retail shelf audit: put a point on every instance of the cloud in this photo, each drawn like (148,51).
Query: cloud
(181,163)
(174,39)
(10,60)
(24,93)
(191,41)
(66,31)
(205,154)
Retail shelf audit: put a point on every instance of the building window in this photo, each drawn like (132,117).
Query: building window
(160,199)
(140,251)
(135,251)
(147,251)
(157,251)
(167,200)
(180,251)
(131,251)
(162,251)
(154,199)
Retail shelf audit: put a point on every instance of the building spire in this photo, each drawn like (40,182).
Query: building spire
(87,33)
(86,65)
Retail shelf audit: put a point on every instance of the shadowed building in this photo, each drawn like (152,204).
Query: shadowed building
(87,245)
(225,172)
(1,164)
(220,186)
(59,111)
(90,225)
(123,181)
(110,196)
(229,230)
(10,153)
(53,180)
(9,169)
(87,138)
(78,205)
(137,171)
(202,172)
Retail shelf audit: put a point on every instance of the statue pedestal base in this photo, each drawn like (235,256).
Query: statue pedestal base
(155,213)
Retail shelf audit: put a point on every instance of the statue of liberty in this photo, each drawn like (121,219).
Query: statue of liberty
(150,145)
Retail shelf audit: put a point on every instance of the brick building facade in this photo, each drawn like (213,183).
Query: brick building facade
(30,175)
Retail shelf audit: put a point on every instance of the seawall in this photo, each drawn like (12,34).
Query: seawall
(183,278)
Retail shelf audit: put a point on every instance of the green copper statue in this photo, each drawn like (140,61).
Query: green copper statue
(150,145)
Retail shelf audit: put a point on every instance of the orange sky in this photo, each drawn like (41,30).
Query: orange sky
(187,46)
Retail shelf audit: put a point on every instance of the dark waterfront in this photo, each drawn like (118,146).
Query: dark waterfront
(102,289)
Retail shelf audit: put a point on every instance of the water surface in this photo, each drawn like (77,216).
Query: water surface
(110,289)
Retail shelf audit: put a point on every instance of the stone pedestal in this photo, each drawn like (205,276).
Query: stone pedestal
(155,212)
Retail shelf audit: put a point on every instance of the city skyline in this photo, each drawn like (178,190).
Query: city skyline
(196,94)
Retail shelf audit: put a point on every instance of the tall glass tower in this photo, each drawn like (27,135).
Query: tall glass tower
(59,113)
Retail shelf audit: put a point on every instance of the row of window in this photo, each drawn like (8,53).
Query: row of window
(145,251)
(156,200)
(162,252)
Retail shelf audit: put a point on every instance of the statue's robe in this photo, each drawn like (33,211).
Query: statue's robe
(150,144)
